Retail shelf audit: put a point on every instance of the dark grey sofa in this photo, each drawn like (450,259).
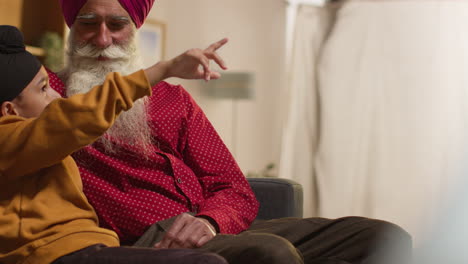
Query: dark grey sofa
(278,197)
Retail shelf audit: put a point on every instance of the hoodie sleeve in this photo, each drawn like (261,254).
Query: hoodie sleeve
(66,125)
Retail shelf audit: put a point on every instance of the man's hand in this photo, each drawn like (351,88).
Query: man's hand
(192,64)
(195,63)
(187,232)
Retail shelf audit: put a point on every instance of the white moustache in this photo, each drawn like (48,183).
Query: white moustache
(112,52)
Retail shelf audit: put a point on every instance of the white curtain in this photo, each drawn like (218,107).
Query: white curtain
(393,109)
(300,134)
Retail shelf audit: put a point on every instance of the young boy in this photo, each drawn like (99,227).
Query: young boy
(44,215)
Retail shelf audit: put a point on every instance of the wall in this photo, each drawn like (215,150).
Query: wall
(256,30)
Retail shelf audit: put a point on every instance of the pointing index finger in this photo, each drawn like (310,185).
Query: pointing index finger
(215,46)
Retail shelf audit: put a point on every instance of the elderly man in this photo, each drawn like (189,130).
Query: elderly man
(162,176)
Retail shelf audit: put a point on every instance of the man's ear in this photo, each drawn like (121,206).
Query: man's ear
(8,108)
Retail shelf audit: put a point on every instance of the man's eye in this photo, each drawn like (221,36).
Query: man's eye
(87,23)
(116,25)
(44,88)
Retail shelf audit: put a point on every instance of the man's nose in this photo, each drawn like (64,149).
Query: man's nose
(103,38)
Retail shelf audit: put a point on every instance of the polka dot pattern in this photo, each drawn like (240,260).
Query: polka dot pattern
(190,169)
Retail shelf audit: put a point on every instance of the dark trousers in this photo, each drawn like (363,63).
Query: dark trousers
(348,240)
(99,254)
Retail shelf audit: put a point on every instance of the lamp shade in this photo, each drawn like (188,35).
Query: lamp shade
(231,85)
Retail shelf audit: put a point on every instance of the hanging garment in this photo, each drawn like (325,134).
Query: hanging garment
(393,82)
(300,134)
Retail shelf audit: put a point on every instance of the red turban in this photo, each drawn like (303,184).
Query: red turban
(137,9)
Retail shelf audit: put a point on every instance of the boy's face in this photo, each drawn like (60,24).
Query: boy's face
(35,97)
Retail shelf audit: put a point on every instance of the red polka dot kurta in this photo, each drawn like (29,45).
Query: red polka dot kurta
(190,170)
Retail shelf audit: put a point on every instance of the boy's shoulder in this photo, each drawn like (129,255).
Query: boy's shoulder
(10,119)
(9,125)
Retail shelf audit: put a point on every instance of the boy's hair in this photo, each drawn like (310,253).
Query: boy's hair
(18,67)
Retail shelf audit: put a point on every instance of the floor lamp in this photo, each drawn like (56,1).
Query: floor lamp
(234,86)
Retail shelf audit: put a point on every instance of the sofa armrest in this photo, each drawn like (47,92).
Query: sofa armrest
(278,197)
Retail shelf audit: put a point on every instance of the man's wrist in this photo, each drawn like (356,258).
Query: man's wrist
(165,67)
(212,223)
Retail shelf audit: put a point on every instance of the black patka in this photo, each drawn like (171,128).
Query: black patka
(18,67)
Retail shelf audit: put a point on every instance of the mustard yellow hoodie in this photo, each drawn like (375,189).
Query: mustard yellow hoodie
(43,212)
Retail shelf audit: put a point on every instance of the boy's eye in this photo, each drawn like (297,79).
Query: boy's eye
(44,88)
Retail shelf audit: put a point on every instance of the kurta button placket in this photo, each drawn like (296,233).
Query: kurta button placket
(179,180)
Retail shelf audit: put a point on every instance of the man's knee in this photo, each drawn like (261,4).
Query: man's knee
(379,230)
(391,234)
(385,241)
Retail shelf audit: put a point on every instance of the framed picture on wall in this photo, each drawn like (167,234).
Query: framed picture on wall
(152,41)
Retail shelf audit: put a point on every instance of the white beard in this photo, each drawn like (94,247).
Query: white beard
(83,71)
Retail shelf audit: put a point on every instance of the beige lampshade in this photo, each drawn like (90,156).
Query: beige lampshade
(231,85)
